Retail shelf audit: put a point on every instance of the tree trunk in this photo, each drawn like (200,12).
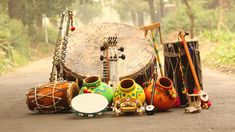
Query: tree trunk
(140,18)
(13,8)
(220,2)
(133,17)
(191,17)
(162,5)
(152,10)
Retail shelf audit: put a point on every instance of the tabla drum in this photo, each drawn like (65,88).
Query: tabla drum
(83,52)
(172,66)
(52,97)
(89,105)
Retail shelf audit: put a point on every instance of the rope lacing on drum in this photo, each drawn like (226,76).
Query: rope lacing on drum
(37,97)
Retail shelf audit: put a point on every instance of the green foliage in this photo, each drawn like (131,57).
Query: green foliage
(16,47)
(3,6)
(176,20)
(127,8)
(15,33)
(207,17)
(224,52)
(87,11)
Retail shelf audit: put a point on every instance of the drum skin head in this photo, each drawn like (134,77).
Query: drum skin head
(89,103)
(83,51)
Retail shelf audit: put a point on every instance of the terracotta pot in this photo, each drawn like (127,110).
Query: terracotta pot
(128,88)
(94,84)
(165,94)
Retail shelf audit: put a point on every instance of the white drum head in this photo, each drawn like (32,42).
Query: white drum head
(89,103)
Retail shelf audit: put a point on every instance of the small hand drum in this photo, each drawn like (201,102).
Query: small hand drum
(89,105)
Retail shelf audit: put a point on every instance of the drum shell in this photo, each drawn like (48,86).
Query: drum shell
(172,66)
(164,97)
(134,91)
(98,87)
(45,100)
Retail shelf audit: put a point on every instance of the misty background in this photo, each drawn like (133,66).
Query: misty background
(28,28)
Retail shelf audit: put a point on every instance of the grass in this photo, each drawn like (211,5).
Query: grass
(21,58)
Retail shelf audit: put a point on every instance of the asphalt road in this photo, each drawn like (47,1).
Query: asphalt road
(15,117)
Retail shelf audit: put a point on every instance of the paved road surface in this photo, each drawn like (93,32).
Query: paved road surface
(15,117)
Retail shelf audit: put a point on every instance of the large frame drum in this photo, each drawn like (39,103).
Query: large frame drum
(83,52)
(172,66)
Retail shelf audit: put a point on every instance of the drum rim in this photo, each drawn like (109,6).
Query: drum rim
(174,41)
(94,113)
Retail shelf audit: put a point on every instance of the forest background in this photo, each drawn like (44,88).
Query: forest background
(24,23)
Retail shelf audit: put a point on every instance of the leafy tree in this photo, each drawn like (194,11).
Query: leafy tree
(87,10)
(3,6)
(135,10)
(30,12)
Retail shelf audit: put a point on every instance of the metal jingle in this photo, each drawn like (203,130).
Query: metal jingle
(61,79)
(66,38)
(58,39)
(63,56)
(64,48)
(58,48)
(52,78)
(55,63)
(52,74)
(57,53)
(56,58)
(64,52)
(90,115)
(65,42)
(100,113)
(80,114)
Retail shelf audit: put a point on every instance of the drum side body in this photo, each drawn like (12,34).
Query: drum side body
(172,66)
(50,98)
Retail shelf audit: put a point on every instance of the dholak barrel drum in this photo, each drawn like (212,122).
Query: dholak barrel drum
(89,105)
(83,52)
(172,66)
(51,97)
